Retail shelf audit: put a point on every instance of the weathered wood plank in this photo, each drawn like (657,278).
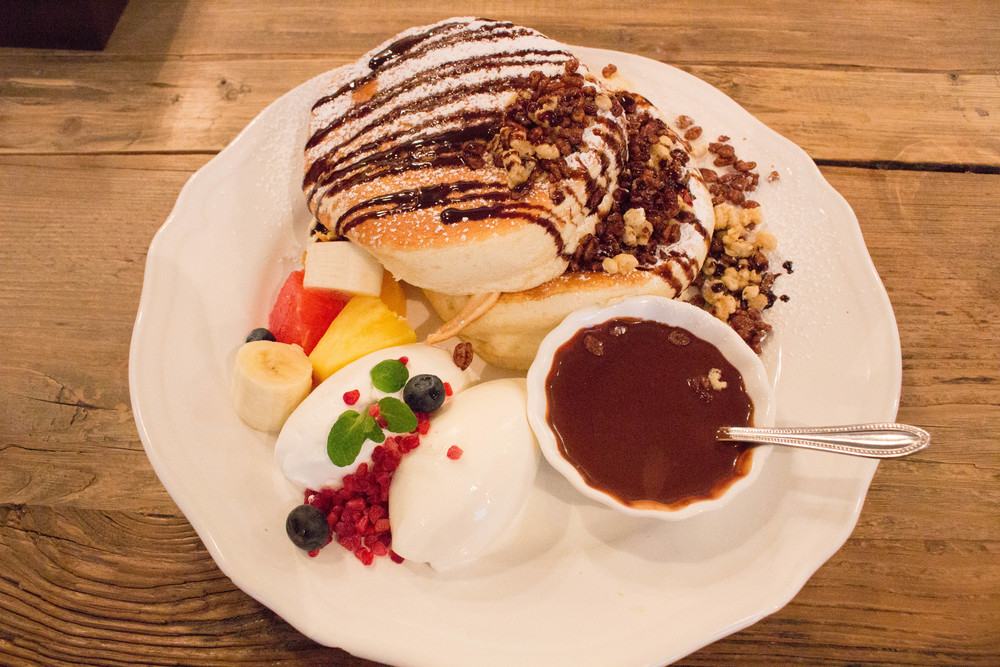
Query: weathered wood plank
(89,587)
(172,605)
(62,105)
(70,278)
(898,34)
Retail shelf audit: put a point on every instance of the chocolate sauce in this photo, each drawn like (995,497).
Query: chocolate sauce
(450,216)
(421,152)
(634,411)
(396,49)
(406,200)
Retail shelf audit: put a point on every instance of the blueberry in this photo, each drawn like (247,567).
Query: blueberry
(260,333)
(307,527)
(424,393)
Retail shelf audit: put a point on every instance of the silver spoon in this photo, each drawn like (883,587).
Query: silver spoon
(879,441)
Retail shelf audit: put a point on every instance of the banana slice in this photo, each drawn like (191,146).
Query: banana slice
(343,267)
(270,380)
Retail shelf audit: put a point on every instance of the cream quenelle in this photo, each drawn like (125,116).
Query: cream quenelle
(447,510)
(301,449)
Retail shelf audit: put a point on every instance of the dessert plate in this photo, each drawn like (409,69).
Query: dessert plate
(577,583)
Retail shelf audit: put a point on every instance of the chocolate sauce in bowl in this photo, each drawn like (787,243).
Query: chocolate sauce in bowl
(634,410)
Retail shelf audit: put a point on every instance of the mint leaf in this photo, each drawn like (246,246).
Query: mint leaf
(390,375)
(347,436)
(375,433)
(399,418)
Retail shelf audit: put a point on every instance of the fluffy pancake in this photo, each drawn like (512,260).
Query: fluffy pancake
(407,158)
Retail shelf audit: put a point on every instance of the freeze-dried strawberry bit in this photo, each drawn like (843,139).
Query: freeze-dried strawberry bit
(423,423)
(358,511)
(374,410)
(351,397)
(408,443)
(455,452)
(395,557)
(447,389)
(404,360)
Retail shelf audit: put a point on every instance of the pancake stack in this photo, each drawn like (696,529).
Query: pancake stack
(475,157)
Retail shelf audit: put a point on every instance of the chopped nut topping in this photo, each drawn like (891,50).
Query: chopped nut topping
(546,152)
(638,230)
(594,345)
(715,379)
(653,181)
(518,174)
(620,263)
(684,122)
(679,338)
(462,355)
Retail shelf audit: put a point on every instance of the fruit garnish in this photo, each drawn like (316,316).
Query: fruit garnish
(389,375)
(269,381)
(301,316)
(424,393)
(307,528)
(392,294)
(365,325)
(260,333)
(342,266)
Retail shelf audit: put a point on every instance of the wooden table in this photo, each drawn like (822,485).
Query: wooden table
(898,102)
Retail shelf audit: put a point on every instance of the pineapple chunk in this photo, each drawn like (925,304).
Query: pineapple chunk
(392,294)
(365,325)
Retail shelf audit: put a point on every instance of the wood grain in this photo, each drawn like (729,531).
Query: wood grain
(53,105)
(97,564)
(894,34)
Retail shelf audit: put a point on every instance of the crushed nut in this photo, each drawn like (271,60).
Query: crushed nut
(715,379)
(546,152)
(638,230)
(594,345)
(462,355)
(765,241)
(518,174)
(679,338)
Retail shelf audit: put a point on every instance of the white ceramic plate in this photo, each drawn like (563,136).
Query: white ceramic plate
(579,584)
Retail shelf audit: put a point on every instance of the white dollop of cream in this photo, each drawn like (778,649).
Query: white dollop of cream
(300,452)
(446,512)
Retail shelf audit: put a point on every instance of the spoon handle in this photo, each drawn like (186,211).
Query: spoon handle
(872,440)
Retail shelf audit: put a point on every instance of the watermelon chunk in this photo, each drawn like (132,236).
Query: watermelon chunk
(301,316)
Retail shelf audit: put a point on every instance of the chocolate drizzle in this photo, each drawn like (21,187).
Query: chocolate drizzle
(431,150)
(386,136)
